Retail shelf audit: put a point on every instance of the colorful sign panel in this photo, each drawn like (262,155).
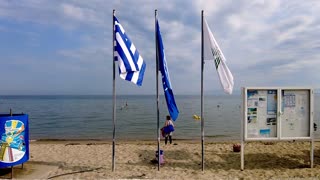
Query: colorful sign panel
(14,142)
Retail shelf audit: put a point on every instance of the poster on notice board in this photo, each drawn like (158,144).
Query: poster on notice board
(261,113)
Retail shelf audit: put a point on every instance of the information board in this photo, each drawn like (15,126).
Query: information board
(274,114)
(14,142)
(277,113)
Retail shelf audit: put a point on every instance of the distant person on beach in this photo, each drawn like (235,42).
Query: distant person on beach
(168,129)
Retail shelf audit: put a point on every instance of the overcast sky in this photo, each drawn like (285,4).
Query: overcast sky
(65,46)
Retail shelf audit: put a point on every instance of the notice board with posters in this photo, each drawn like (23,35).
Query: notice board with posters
(275,114)
(272,113)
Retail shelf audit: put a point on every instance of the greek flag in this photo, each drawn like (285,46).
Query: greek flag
(171,104)
(212,52)
(131,64)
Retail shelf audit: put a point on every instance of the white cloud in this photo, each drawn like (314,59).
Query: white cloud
(86,55)
(297,26)
(73,12)
(265,42)
(298,66)
(210,8)
(83,15)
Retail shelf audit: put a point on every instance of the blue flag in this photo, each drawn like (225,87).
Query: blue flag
(131,64)
(171,104)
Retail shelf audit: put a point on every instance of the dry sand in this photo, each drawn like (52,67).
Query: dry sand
(93,160)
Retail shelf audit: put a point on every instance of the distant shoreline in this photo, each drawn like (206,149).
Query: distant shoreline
(109,141)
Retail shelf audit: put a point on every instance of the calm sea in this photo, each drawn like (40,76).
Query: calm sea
(90,117)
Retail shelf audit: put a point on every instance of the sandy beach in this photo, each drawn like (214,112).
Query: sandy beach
(93,160)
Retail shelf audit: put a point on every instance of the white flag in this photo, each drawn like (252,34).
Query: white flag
(213,52)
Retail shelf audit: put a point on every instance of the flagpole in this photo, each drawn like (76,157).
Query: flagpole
(202,118)
(157,87)
(114,98)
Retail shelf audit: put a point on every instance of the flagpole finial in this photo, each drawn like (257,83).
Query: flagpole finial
(114,11)
(155,12)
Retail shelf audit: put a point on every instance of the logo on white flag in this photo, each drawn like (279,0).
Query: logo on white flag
(216,57)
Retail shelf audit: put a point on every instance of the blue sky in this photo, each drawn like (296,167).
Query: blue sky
(65,46)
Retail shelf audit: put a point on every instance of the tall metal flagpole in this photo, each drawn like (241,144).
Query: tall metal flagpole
(202,118)
(157,87)
(114,98)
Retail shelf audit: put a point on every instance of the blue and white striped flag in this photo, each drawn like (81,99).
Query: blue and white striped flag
(171,103)
(131,64)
